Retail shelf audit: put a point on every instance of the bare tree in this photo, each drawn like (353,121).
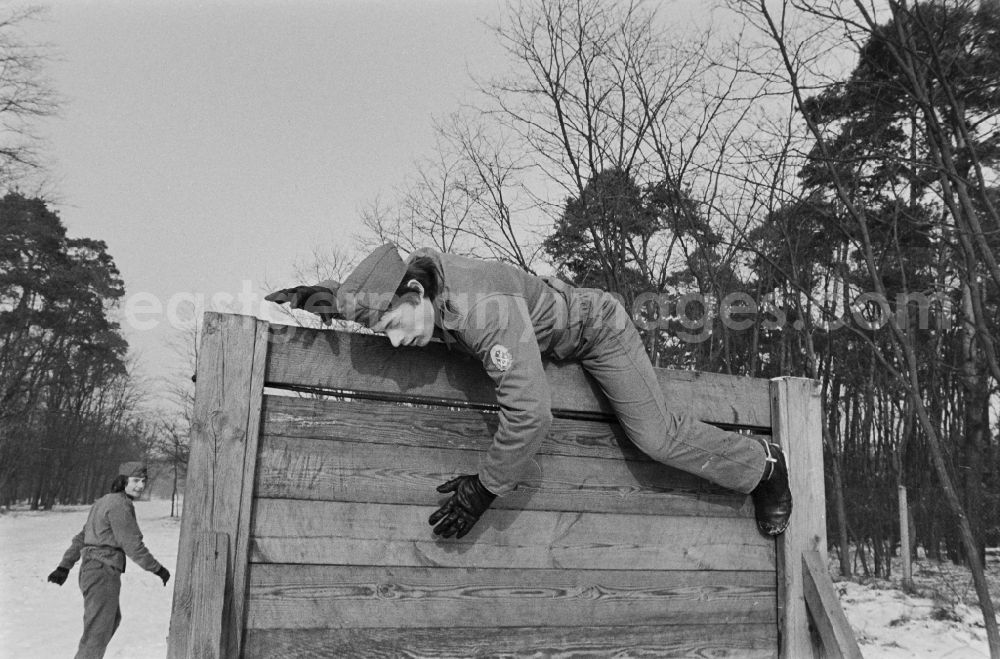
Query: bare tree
(431,209)
(25,96)
(466,197)
(919,71)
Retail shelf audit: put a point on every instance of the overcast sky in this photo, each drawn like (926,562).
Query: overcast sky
(211,144)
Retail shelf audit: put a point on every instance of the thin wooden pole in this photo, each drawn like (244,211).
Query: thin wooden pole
(904,540)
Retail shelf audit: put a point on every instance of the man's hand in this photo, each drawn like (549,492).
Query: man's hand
(58,576)
(164,574)
(460,513)
(316,299)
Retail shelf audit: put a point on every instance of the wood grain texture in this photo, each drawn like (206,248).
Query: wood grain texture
(240,554)
(603,552)
(824,609)
(329,532)
(368,363)
(210,573)
(437,427)
(305,596)
(717,641)
(227,405)
(797,414)
(293,468)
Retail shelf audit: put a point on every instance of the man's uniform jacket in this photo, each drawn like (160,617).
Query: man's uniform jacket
(508,319)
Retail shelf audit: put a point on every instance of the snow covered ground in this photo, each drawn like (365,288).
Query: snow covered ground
(39,619)
(940,619)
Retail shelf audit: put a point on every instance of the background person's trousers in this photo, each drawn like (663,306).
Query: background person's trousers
(101,585)
(611,350)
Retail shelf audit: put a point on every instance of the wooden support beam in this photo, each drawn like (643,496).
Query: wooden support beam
(824,608)
(209,570)
(218,496)
(797,416)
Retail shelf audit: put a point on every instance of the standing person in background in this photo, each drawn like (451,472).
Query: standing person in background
(509,320)
(110,533)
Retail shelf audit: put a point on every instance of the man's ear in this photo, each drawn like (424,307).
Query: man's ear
(416,287)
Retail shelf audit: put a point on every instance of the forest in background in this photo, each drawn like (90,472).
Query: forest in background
(805,189)
(72,406)
(802,189)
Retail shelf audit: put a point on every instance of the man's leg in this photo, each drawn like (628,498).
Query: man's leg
(618,362)
(101,586)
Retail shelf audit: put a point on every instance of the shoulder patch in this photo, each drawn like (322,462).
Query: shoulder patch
(501,357)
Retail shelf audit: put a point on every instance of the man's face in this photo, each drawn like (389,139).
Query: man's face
(135,487)
(409,323)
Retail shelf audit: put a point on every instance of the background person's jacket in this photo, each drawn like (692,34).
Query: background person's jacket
(109,534)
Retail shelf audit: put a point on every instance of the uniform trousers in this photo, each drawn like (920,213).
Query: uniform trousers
(101,585)
(609,348)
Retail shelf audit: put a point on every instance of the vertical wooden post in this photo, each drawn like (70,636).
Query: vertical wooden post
(796,417)
(218,492)
(904,540)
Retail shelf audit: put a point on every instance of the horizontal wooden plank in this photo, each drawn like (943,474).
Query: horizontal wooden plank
(664,642)
(368,363)
(331,532)
(411,425)
(305,596)
(326,470)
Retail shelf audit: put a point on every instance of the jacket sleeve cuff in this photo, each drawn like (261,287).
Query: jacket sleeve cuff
(494,485)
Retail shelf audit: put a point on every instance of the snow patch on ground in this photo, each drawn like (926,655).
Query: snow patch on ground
(939,617)
(39,619)
(890,623)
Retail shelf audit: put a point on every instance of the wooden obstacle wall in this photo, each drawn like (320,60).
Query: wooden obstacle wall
(305,520)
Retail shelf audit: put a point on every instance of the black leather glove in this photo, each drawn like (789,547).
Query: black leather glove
(316,299)
(460,513)
(164,574)
(58,576)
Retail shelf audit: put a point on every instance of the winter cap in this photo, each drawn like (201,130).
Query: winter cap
(136,469)
(368,291)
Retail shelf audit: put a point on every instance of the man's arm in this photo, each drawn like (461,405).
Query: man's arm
(498,329)
(128,536)
(69,559)
(72,554)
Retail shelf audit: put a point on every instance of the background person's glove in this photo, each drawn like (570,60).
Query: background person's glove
(319,300)
(164,574)
(460,513)
(58,576)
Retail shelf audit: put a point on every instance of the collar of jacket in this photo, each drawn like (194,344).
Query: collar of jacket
(446,318)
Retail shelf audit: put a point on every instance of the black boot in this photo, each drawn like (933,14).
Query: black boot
(772,498)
